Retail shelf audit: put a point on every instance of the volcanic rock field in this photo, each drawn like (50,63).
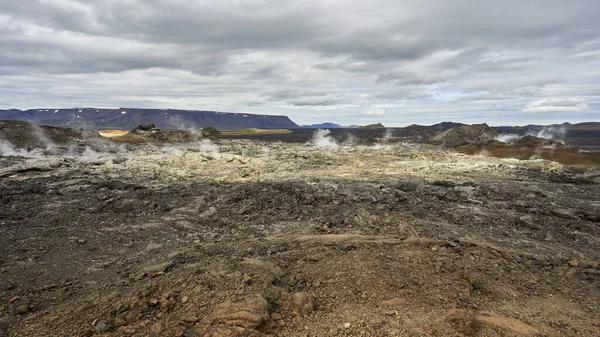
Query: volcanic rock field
(241,237)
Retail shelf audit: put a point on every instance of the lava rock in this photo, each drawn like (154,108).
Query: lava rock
(6,285)
(303,303)
(535,142)
(406,185)
(249,313)
(211,133)
(101,327)
(145,127)
(443,183)
(3,329)
(163,267)
(464,135)
(23,309)
(463,321)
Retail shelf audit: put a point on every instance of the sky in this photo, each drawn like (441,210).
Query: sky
(503,62)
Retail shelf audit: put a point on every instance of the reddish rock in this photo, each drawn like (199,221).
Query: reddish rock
(303,303)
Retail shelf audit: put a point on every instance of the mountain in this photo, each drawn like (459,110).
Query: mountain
(127,118)
(322,126)
(329,126)
(466,134)
(372,126)
(585,126)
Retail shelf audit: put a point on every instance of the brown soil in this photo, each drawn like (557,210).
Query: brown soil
(253,131)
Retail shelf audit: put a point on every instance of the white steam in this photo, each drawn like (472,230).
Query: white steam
(547,132)
(90,155)
(172,151)
(266,153)
(176,122)
(322,138)
(389,133)
(350,140)
(551,132)
(38,133)
(508,138)
(8,149)
(209,149)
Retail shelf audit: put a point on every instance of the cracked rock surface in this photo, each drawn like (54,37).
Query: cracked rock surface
(249,238)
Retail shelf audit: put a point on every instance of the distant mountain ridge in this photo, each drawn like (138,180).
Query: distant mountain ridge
(372,126)
(127,118)
(534,127)
(328,125)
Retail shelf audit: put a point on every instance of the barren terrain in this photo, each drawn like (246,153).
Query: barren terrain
(250,238)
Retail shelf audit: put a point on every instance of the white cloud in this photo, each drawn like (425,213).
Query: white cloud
(375,112)
(556,105)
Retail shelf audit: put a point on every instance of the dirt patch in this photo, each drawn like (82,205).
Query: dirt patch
(112,133)
(253,131)
(507,323)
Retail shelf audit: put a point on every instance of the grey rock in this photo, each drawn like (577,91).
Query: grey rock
(406,185)
(101,327)
(23,309)
(161,267)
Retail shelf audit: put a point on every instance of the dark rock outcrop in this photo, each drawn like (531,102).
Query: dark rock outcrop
(211,133)
(372,126)
(477,134)
(149,132)
(28,135)
(535,142)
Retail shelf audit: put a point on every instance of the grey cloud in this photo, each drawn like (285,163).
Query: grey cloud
(403,77)
(270,54)
(556,104)
(559,102)
(266,72)
(418,95)
(314,102)
(278,95)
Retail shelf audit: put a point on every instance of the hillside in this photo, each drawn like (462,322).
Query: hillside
(566,127)
(372,126)
(125,118)
(329,125)
(322,126)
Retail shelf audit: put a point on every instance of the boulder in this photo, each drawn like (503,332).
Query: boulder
(303,303)
(144,127)
(245,317)
(211,133)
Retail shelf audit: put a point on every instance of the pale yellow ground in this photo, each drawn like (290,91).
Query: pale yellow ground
(112,133)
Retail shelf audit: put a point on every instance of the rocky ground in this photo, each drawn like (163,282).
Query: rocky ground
(250,238)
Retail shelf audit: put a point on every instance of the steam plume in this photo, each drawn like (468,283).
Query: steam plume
(322,138)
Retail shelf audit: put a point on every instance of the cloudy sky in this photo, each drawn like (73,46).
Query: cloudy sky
(347,61)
